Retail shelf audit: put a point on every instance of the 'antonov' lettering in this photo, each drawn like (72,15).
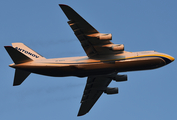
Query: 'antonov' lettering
(26,52)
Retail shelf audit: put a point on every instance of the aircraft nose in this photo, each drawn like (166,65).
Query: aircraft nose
(169,59)
(172,59)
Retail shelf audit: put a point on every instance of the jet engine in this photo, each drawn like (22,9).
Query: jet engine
(105,37)
(110,91)
(120,78)
(117,47)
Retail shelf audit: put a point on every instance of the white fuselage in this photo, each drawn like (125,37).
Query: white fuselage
(103,64)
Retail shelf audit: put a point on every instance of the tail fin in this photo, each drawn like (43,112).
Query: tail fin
(27,51)
(20,53)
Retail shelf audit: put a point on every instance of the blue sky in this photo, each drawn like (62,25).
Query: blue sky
(140,25)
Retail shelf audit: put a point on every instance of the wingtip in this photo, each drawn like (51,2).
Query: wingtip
(62,5)
(78,115)
(81,113)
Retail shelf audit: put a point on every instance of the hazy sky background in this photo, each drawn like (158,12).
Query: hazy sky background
(140,25)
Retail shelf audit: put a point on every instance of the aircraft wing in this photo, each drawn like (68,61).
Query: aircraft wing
(93,42)
(94,88)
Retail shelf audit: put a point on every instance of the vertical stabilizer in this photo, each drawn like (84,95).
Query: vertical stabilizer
(27,51)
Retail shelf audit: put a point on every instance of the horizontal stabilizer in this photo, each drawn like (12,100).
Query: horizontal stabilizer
(17,56)
(20,76)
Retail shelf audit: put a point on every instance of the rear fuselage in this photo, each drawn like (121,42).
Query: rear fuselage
(104,64)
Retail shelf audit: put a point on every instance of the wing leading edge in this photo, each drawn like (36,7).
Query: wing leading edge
(93,42)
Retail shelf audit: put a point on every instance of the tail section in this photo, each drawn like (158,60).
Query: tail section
(20,76)
(20,53)
(17,56)
(27,51)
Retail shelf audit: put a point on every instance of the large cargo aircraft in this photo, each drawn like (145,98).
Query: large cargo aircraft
(102,64)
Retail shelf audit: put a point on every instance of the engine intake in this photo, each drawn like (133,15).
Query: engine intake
(105,37)
(117,47)
(120,78)
(110,91)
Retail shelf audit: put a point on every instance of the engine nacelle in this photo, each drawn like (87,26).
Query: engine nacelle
(120,78)
(105,37)
(111,90)
(118,47)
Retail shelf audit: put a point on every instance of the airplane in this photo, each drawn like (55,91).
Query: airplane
(102,64)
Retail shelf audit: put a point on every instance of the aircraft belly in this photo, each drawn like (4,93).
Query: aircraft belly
(139,64)
(82,70)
